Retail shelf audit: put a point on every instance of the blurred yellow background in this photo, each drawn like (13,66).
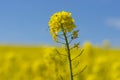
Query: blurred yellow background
(44,63)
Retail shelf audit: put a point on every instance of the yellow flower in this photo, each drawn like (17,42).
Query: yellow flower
(61,21)
(76,45)
(55,37)
(75,34)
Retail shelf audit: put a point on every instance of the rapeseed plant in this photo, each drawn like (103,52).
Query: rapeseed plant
(62,26)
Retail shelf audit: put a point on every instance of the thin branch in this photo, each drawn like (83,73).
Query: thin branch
(78,55)
(60,42)
(72,47)
(69,35)
(70,41)
(60,37)
(76,64)
(60,53)
(61,77)
(75,46)
(80,71)
(61,34)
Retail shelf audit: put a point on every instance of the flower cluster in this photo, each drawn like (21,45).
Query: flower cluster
(75,34)
(61,21)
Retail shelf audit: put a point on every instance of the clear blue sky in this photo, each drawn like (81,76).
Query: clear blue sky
(26,21)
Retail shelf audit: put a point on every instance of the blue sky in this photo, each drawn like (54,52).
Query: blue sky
(26,21)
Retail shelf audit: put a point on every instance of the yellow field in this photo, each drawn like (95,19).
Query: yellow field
(44,63)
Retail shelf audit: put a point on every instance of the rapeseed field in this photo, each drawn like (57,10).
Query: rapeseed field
(45,63)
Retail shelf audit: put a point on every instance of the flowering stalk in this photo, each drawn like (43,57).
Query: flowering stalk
(62,22)
(69,56)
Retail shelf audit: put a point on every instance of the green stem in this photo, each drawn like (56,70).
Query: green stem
(69,56)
